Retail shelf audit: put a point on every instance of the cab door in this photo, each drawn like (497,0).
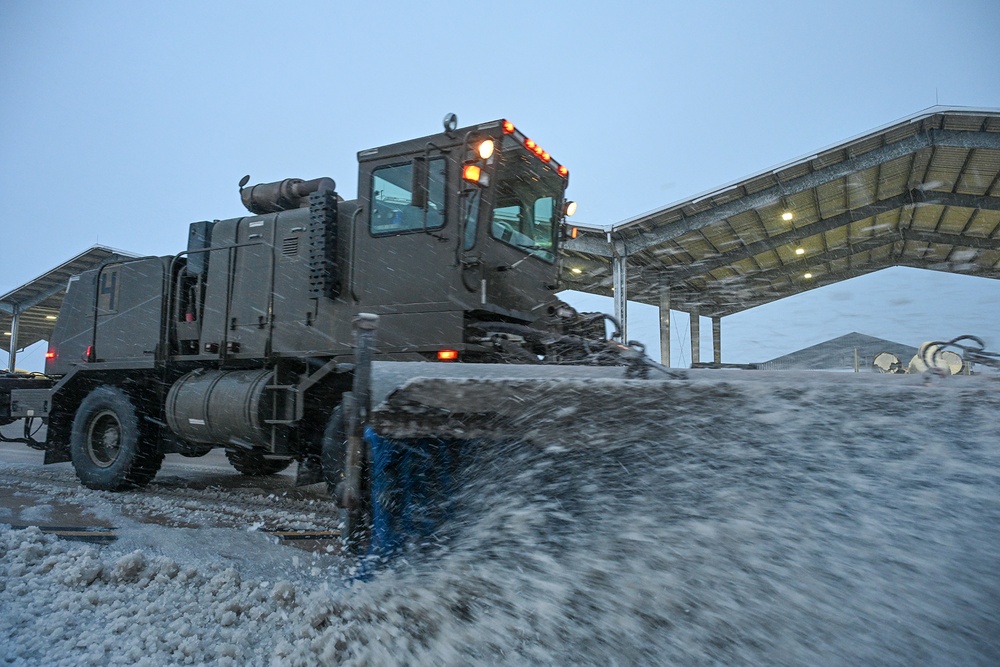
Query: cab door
(404,252)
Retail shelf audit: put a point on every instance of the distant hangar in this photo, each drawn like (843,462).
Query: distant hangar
(922,192)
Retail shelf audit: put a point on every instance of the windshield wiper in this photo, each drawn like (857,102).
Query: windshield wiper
(534,251)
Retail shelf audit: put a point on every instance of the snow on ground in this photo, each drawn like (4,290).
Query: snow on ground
(760,523)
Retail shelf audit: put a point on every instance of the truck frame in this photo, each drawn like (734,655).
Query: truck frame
(244,340)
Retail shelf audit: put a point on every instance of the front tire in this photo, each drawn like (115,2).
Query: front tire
(110,448)
(252,463)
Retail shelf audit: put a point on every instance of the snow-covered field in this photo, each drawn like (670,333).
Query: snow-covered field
(853,520)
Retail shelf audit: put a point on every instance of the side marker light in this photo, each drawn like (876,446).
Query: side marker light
(472,172)
(447,355)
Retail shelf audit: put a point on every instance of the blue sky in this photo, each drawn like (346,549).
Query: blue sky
(121,122)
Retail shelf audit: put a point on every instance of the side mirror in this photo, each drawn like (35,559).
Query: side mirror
(418,184)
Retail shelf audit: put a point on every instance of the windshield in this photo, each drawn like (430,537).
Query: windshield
(528,197)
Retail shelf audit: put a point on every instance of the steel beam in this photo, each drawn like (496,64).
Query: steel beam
(589,244)
(619,269)
(957,199)
(14,322)
(42,296)
(695,335)
(772,196)
(962,241)
(717,339)
(789,237)
(665,325)
(845,218)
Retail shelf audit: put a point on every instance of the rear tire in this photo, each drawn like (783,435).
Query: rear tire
(253,464)
(111,449)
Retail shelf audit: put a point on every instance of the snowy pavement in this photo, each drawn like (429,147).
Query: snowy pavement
(780,522)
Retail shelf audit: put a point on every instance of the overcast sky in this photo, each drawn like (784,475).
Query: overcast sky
(121,122)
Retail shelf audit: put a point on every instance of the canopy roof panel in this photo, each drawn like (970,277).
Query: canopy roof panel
(37,302)
(921,192)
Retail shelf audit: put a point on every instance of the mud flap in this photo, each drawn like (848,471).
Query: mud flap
(309,471)
(57,454)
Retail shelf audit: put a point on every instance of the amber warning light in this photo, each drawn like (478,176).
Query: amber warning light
(447,355)
(531,145)
(471,173)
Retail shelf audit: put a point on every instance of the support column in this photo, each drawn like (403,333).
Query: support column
(717,339)
(695,335)
(15,317)
(665,325)
(620,282)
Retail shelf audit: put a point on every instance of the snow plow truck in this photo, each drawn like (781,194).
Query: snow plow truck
(362,339)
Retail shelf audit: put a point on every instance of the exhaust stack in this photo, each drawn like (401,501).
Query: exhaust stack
(283,195)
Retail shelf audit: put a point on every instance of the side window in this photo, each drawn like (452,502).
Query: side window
(525,223)
(392,209)
(471,218)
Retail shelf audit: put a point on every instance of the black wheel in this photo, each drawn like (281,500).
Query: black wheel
(334,448)
(110,447)
(252,463)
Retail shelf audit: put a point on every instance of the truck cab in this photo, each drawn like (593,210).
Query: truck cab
(463,223)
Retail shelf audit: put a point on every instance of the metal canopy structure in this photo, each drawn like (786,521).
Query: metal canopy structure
(28,313)
(922,192)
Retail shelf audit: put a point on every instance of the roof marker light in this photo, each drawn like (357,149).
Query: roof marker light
(563,171)
(529,144)
(508,127)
